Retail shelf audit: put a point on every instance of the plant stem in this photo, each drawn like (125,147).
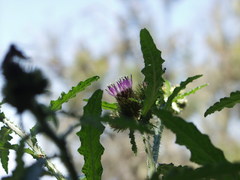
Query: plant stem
(35,148)
(150,161)
(157,140)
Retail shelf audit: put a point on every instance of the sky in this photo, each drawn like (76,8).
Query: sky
(27,23)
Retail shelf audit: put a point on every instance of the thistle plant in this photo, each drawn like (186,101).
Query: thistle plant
(154,105)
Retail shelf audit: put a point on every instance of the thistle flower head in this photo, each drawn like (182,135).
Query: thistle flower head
(122,88)
(125,96)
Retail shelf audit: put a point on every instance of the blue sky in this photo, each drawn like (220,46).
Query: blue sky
(27,22)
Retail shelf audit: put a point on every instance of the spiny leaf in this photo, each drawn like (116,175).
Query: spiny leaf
(179,88)
(89,136)
(4,142)
(4,146)
(220,171)
(19,170)
(152,71)
(133,142)
(15,147)
(192,91)
(202,150)
(226,102)
(65,97)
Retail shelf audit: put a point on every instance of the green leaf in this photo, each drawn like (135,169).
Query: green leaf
(166,168)
(2,116)
(4,142)
(132,141)
(31,152)
(4,146)
(178,89)
(192,91)
(220,171)
(19,170)
(226,102)
(167,88)
(57,104)
(33,131)
(107,105)
(202,150)
(152,71)
(15,147)
(89,136)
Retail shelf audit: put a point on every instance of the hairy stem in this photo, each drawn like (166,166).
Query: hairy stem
(150,161)
(35,148)
(157,140)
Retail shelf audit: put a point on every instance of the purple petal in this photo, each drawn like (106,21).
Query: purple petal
(121,85)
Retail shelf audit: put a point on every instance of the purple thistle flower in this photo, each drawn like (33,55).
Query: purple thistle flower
(121,88)
(127,98)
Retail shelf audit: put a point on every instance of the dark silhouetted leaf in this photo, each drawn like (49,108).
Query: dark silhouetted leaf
(65,97)
(22,85)
(202,150)
(226,102)
(89,136)
(179,88)
(152,71)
